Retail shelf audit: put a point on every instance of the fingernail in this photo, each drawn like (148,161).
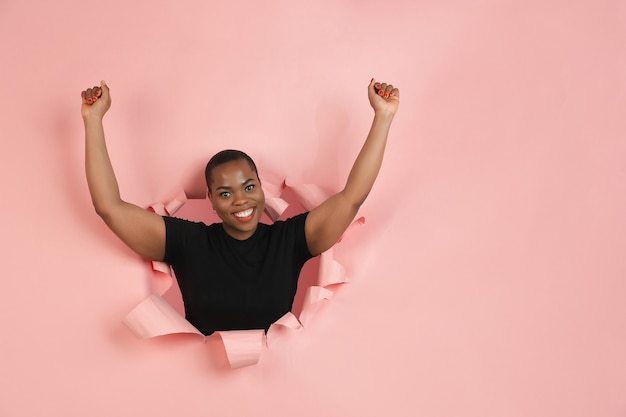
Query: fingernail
(372,80)
(386,95)
(381,93)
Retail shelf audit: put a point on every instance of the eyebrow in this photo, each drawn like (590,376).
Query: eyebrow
(228,187)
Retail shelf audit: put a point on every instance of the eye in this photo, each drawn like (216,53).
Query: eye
(225,194)
(249,187)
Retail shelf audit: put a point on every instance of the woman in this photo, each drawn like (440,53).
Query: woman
(240,273)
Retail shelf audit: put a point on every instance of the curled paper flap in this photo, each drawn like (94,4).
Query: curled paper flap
(162,277)
(312,297)
(171,206)
(309,195)
(288,321)
(275,207)
(155,317)
(243,347)
(158,208)
(161,267)
(273,189)
(315,294)
(176,203)
(330,271)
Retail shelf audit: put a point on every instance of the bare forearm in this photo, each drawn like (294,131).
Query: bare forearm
(370,158)
(101,179)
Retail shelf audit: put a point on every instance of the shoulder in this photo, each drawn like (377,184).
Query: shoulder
(184,236)
(175,222)
(182,229)
(294,222)
(291,232)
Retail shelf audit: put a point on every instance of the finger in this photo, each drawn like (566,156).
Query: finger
(92,95)
(105,88)
(371,88)
(388,90)
(381,91)
(95,93)
(394,93)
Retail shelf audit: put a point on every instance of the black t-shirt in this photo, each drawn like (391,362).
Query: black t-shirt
(230,284)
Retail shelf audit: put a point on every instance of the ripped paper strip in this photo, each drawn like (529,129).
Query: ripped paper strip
(156,317)
(243,347)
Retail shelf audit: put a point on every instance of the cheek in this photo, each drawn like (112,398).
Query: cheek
(217,205)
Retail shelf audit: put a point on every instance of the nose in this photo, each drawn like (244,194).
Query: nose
(240,198)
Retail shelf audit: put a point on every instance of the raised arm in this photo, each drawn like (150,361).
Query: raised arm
(326,223)
(142,230)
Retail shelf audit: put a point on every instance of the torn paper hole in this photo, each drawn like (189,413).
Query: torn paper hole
(156,317)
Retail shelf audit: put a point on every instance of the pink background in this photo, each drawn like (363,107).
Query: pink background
(489,279)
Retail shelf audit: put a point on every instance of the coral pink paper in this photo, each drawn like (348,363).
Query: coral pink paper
(243,347)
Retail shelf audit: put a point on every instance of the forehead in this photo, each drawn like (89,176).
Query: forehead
(236,171)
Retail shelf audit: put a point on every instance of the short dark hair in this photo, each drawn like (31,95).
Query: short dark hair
(226,156)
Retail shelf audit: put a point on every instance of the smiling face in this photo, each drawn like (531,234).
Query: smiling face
(237,197)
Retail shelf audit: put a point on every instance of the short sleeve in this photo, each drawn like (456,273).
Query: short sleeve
(177,235)
(302,248)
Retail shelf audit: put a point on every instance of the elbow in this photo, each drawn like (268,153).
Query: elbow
(359,202)
(355,200)
(105,211)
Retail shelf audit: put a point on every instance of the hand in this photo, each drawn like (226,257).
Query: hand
(383,97)
(95,101)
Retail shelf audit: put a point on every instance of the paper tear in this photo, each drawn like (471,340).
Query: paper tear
(275,207)
(162,277)
(309,195)
(155,317)
(176,203)
(288,321)
(330,271)
(315,294)
(243,347)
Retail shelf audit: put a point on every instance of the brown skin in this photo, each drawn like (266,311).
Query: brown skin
(235,186)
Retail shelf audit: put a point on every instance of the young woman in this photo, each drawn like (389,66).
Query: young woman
(240,273)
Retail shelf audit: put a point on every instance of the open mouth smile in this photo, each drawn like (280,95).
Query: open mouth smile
(244,215)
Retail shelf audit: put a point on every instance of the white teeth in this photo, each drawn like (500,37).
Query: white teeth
(245,213)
